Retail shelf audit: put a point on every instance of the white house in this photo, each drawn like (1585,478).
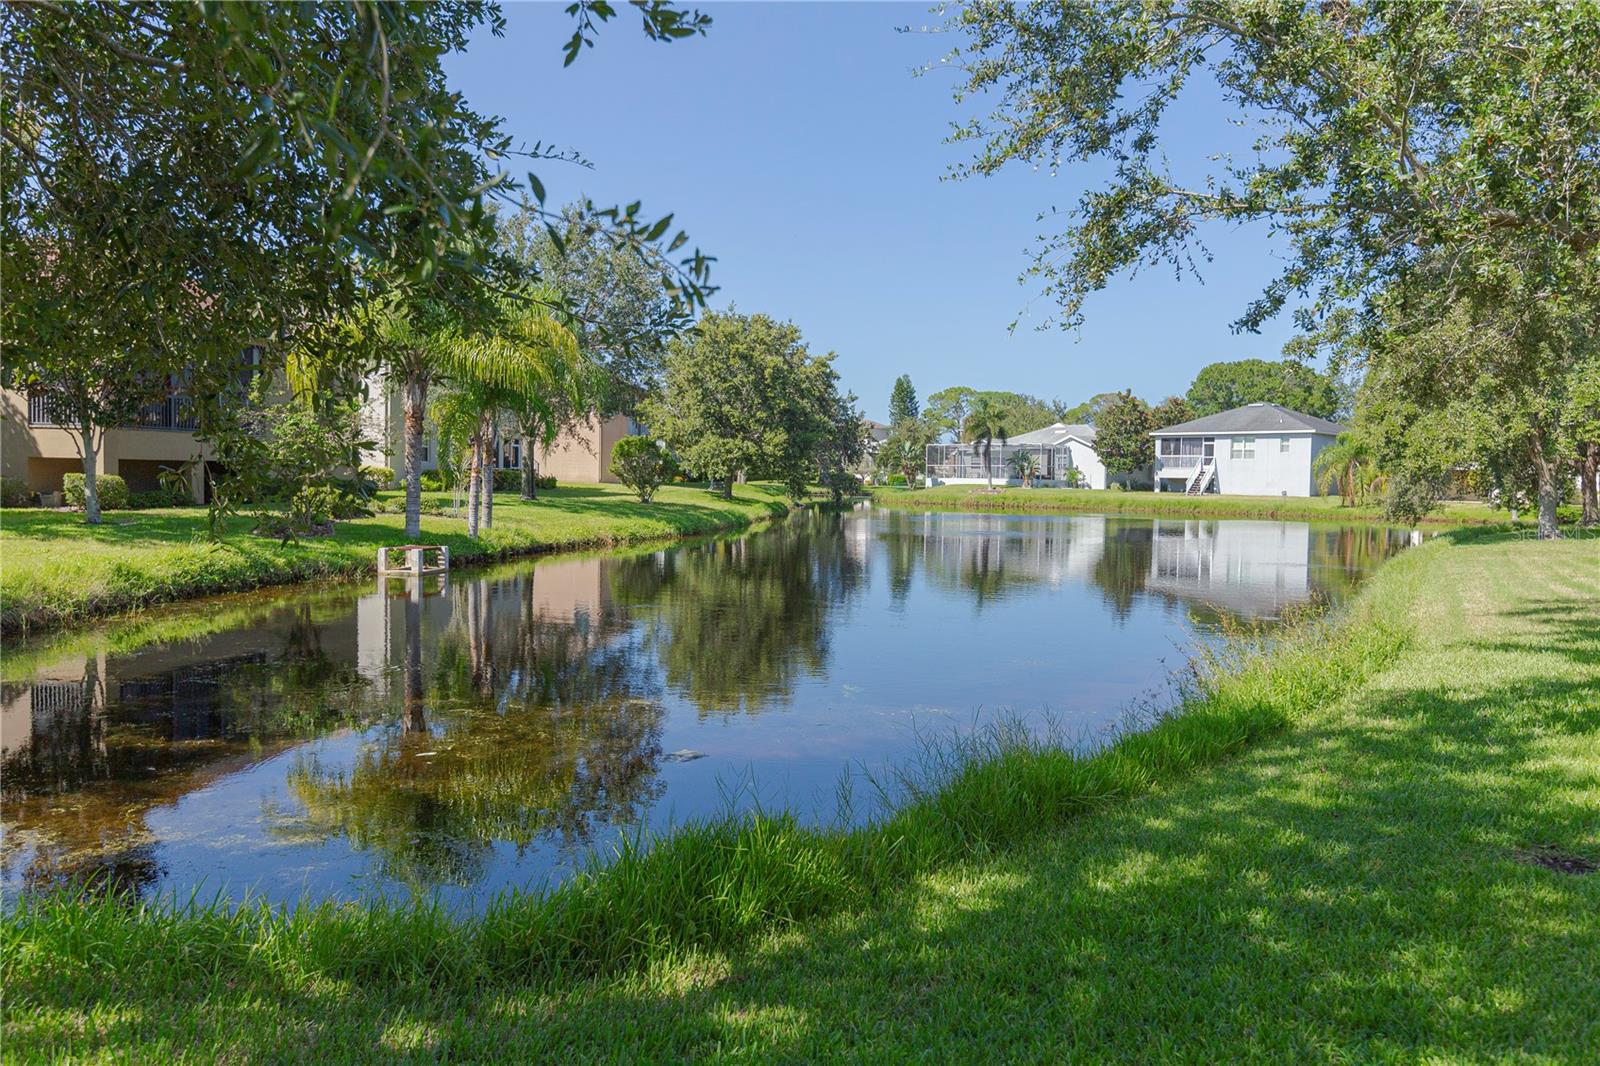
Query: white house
(1260,449)
(1057,449)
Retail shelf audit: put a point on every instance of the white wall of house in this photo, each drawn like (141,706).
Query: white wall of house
(1258,465)
(1256,568)
(1264,466)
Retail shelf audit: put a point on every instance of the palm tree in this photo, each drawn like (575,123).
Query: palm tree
(1026,466)
(986,421)
(515,358)
(1347,465)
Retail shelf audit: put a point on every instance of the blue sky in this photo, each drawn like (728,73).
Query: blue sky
(795,145)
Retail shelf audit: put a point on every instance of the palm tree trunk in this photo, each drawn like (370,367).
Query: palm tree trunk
(530,471)
(474,453)
(414,397)
(488,466)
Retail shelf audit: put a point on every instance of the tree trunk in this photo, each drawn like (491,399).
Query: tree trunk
(488,467)
(530,471)
(1549,495)
(91,490)
(474,453)
(727,487)
(1590,469)
(412,720)
(415,400)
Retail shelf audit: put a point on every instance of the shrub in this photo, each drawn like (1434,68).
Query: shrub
(1411,496)
(897,481)
(542,483)
(14,492)
(432,481)
(641,464)
(397,505)
(382,477)
(508,481)
(113,491)
(149,501)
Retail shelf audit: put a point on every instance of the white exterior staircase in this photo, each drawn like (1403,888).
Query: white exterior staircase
(1203,476)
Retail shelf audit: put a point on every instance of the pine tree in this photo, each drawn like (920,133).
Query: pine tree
(903,405)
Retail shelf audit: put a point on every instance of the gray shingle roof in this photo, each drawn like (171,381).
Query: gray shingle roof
(1054,434)
(1254,418)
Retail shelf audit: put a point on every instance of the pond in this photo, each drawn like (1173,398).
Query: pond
(490,729)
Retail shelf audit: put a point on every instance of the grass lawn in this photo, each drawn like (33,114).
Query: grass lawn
(55,570)
(1330,856)
(1105,501)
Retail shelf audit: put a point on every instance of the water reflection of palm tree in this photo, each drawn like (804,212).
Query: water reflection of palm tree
(546,734)
(412,718)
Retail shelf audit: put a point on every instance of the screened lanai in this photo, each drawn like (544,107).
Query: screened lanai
(958,462)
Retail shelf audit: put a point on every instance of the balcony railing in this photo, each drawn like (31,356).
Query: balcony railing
(1178,462)
(175,412)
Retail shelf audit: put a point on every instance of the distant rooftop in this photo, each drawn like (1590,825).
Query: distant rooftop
(1254,418)
(1054,434)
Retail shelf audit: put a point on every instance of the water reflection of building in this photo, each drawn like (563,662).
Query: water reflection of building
(994,548)
(1251,569)
(520,668)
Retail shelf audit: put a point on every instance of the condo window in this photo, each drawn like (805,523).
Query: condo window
(1283,444)
(1243,448)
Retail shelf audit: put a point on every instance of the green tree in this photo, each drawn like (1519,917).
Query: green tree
(986,423)
(1172,411)
(1581,421)
(245,172)
(1223,386)
(843,449)
(903,401)
(1025,467)
(905,450)
(619,297)
(642,464)
(1086,412)
(1453,384)
(528,354)
(744,397)
(1347,467)
(950,408)
(1122,436)
(1394,138)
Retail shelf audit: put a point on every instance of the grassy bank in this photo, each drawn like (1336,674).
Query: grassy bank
(56,570)
(1331,854)
(1102,501)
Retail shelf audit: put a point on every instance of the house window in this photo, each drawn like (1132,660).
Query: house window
(424,452)
(1242,448)
(1283,445)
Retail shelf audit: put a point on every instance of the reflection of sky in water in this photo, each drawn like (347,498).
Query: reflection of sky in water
(344,741)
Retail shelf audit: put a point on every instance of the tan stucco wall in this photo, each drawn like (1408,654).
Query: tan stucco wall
(42,454)
(383,417)
(583,456)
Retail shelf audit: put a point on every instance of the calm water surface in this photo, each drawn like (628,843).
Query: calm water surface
(489,730)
